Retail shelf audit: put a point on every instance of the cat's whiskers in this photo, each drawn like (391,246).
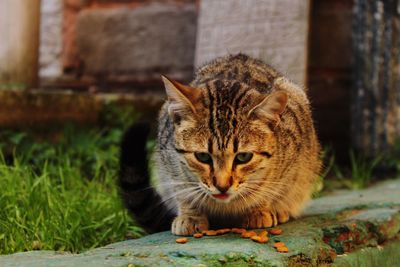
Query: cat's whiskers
(277,193)
(176,194)
(198,201)
(267,191)
(195,191)
(175,187)
(204,199)
(165,187)
(266,181)
(170,207)
(267,194)
(274,186)
(251,194)
(246,204)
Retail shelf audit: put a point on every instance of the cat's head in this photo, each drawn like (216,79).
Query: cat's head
(224,133)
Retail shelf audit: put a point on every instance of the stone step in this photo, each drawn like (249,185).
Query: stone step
(347,228)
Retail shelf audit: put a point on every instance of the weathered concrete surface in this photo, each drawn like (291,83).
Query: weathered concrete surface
(141,42)
(366,229)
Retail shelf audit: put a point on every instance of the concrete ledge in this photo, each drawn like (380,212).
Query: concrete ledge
(345,229)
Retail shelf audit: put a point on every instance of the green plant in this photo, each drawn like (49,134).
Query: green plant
(392,159)
(13,86)
(63,195)
(362,170)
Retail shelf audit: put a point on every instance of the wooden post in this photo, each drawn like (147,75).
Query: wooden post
(19,43)
(376,94)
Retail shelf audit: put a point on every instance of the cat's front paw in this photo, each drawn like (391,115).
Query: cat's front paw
(188,225)
(265,218)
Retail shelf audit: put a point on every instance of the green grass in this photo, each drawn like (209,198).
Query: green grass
(61,196)
(13,86)
(362,170)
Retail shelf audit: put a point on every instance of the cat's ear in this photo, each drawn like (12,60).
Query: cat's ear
(271,106)
(182,98)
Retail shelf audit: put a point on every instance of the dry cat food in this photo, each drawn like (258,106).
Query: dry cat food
(263,233)
(238,230)
(181,240)
(216,232)
(279,244)
(223,231)
(259,239)
(282,249)
(249,234)
(198,235)
(276,231)
(210,232)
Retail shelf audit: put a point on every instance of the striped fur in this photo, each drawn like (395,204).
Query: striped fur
(235,104)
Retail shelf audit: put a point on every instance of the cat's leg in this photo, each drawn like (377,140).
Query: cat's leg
(261,218)
(188,222)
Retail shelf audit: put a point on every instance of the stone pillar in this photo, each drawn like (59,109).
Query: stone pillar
(275,31)
(51,26)
(376,92)
(19,33)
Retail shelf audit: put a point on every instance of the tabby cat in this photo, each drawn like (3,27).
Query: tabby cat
(236,147)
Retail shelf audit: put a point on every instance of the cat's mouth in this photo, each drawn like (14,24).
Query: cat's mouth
(221,196)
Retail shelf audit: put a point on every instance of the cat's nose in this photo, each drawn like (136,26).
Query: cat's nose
(224,185)
(223,189)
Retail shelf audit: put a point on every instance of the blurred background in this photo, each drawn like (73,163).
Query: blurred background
(74,74)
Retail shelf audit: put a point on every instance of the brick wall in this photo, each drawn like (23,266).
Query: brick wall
(74,66)
(73,7)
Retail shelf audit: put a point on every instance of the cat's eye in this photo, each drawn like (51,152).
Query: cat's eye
(242,158)
(203,157)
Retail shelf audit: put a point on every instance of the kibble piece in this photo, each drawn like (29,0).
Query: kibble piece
(263,234)
(238,230)
(282,249)
(279,244)
(259,239)
(275,231)
(211,233)
(248,234)
(223,231)
(198,235)
(181,240)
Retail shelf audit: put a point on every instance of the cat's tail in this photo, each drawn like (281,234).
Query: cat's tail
(140,198)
